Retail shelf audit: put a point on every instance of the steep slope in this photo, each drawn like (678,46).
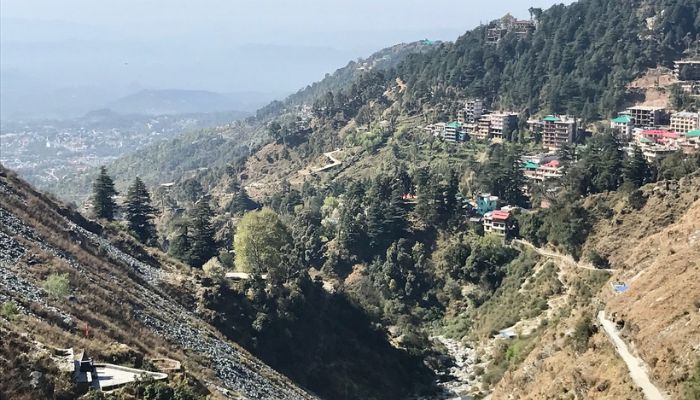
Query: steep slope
(654,251)
(119,295)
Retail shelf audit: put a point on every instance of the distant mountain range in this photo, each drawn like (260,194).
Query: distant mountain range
(177,101)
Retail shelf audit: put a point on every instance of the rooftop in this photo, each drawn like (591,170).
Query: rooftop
(693,133)
(622,119)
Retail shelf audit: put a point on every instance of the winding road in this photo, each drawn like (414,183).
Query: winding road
(334,161)
(636,366)
(565,258)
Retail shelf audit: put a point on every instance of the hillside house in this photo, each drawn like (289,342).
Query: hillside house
(684,121)
(622,126)
(496,222)
(543,170)
(453,132)
(645,117)
(656,143)
(485,203)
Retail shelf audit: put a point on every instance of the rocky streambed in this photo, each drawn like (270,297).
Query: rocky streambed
(462,377)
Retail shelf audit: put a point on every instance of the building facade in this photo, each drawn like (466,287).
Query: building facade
(558,131)
(683,122)
(645,117)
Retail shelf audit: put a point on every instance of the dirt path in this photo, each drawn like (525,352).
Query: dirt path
(565,258)
(636,366)
(334,161)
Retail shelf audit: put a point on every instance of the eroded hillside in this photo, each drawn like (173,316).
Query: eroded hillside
(655,252)
(117,306)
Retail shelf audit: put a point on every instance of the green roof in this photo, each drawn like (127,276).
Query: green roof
(695,133)
(530,165)
(551,118)
(622,119)
(454,125)
(645,140)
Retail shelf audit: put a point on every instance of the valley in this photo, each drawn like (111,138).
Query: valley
(514,214)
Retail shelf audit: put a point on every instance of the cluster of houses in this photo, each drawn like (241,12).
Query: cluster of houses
(657,132)
(498,221)
(475,121)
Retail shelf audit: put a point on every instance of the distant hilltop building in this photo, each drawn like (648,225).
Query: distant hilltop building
(501,27)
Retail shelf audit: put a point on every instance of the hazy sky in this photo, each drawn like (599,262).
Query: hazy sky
(109,48)
(274,21)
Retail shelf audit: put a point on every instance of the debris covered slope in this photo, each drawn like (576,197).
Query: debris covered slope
(117,298)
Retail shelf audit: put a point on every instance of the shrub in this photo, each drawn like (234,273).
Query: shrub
(57,285)
(598,260)
(214,269)
(692,386)
(9,310)
(583,330)
(637,199)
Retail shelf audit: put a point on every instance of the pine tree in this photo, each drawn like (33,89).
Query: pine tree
(103,192)
(241,202)
(139,212)
(636,170)
(203,246)
(181,245)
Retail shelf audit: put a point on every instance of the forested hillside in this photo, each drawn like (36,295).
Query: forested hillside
(359,237)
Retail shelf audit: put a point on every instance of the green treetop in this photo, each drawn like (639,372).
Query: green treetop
(103,192)
(139,212)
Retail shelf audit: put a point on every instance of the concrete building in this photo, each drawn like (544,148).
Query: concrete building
(623,126)
(645,117)
(502,124)
(558,130)
(496,222)
(687,70)
(472,111)
(483,127)
(453,132)
(684,121)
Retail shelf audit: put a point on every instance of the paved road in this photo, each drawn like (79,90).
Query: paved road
(636,366)
(565,258)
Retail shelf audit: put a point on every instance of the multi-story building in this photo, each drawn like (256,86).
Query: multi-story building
(558,130)
(685,121)
(473,110)
(687,70)
(496,222)
(483,127)
(502,125)
(645,117)
(623,126)
(452,132)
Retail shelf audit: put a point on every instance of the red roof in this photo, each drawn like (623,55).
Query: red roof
(660,133)
(553,163)
(500,214)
